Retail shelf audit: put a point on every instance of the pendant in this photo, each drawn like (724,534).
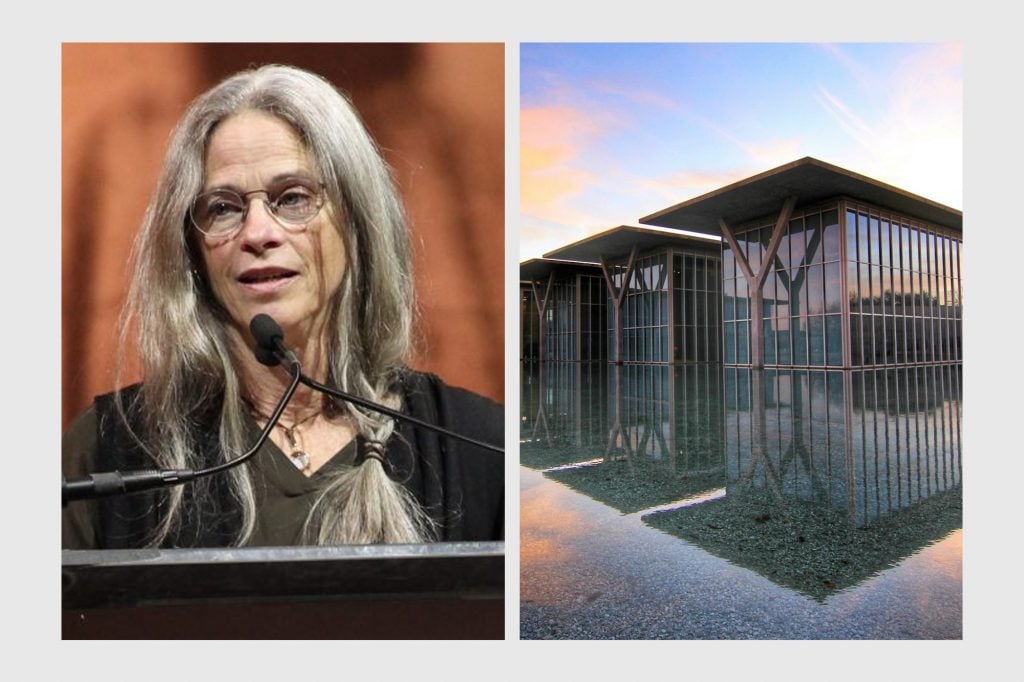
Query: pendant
(300,459)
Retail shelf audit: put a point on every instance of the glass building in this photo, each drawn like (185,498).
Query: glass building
(562,311)
(660,292)
(822,267)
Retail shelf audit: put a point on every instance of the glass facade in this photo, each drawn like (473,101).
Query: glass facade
(872,289)
(645,321)
(903,285)
(670,310)
(801,314)
(529,324)
(560,321)
(574,319)
(696,322)
(593,318)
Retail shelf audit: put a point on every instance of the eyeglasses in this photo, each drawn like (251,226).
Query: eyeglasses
(222,212)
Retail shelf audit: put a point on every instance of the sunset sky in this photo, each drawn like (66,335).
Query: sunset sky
(613,132)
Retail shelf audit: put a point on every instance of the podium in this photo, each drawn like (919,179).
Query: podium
(428,591)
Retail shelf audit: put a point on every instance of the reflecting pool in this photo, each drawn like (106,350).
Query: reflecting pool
(696,501)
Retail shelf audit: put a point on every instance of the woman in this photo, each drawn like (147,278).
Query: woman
(273,199)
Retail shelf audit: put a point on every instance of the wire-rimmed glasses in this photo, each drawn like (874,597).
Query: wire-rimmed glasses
(219,214)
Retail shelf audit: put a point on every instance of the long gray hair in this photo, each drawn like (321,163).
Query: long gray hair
(181,332)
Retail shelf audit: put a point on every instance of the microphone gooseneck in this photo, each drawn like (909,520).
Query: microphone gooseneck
(270,341)
(396,414)
(122,483)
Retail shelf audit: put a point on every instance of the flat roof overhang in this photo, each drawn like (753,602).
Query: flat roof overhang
(538,269)
(810,180)
(617,243)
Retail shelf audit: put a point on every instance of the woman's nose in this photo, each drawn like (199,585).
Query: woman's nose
(260,230)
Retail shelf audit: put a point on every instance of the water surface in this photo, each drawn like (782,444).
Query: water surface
(707,502)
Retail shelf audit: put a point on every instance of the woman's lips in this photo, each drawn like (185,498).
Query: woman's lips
(266,280)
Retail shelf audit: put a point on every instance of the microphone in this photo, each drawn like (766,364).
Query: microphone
(122,483)
(270,345)
(270,349)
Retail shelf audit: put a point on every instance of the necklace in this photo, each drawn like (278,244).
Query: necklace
(298,456)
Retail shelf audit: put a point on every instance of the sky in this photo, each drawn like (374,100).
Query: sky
(613,132)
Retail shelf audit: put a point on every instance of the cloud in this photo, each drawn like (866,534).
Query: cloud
(552,174)
(857,71)
(855,127)
(772,153)
(571,181)
(688,184)
(915,139)
(537,236)
(636,96)
(683,185)
(559,126)
(762,154)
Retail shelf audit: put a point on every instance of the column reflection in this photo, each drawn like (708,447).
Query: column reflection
(563,412)
(631,436)
(832,476)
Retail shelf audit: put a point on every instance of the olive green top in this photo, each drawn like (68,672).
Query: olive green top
(284,494)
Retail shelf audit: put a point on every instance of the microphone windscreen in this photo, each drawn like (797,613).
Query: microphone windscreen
(267,334)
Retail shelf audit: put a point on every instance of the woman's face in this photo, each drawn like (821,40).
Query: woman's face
(287,273)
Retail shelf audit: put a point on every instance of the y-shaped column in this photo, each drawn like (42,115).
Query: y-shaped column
(755,281)
(618,296)
(542,305)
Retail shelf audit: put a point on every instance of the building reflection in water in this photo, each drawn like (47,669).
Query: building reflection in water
(563,413)
(631,436)
(867,442)
(816,479)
